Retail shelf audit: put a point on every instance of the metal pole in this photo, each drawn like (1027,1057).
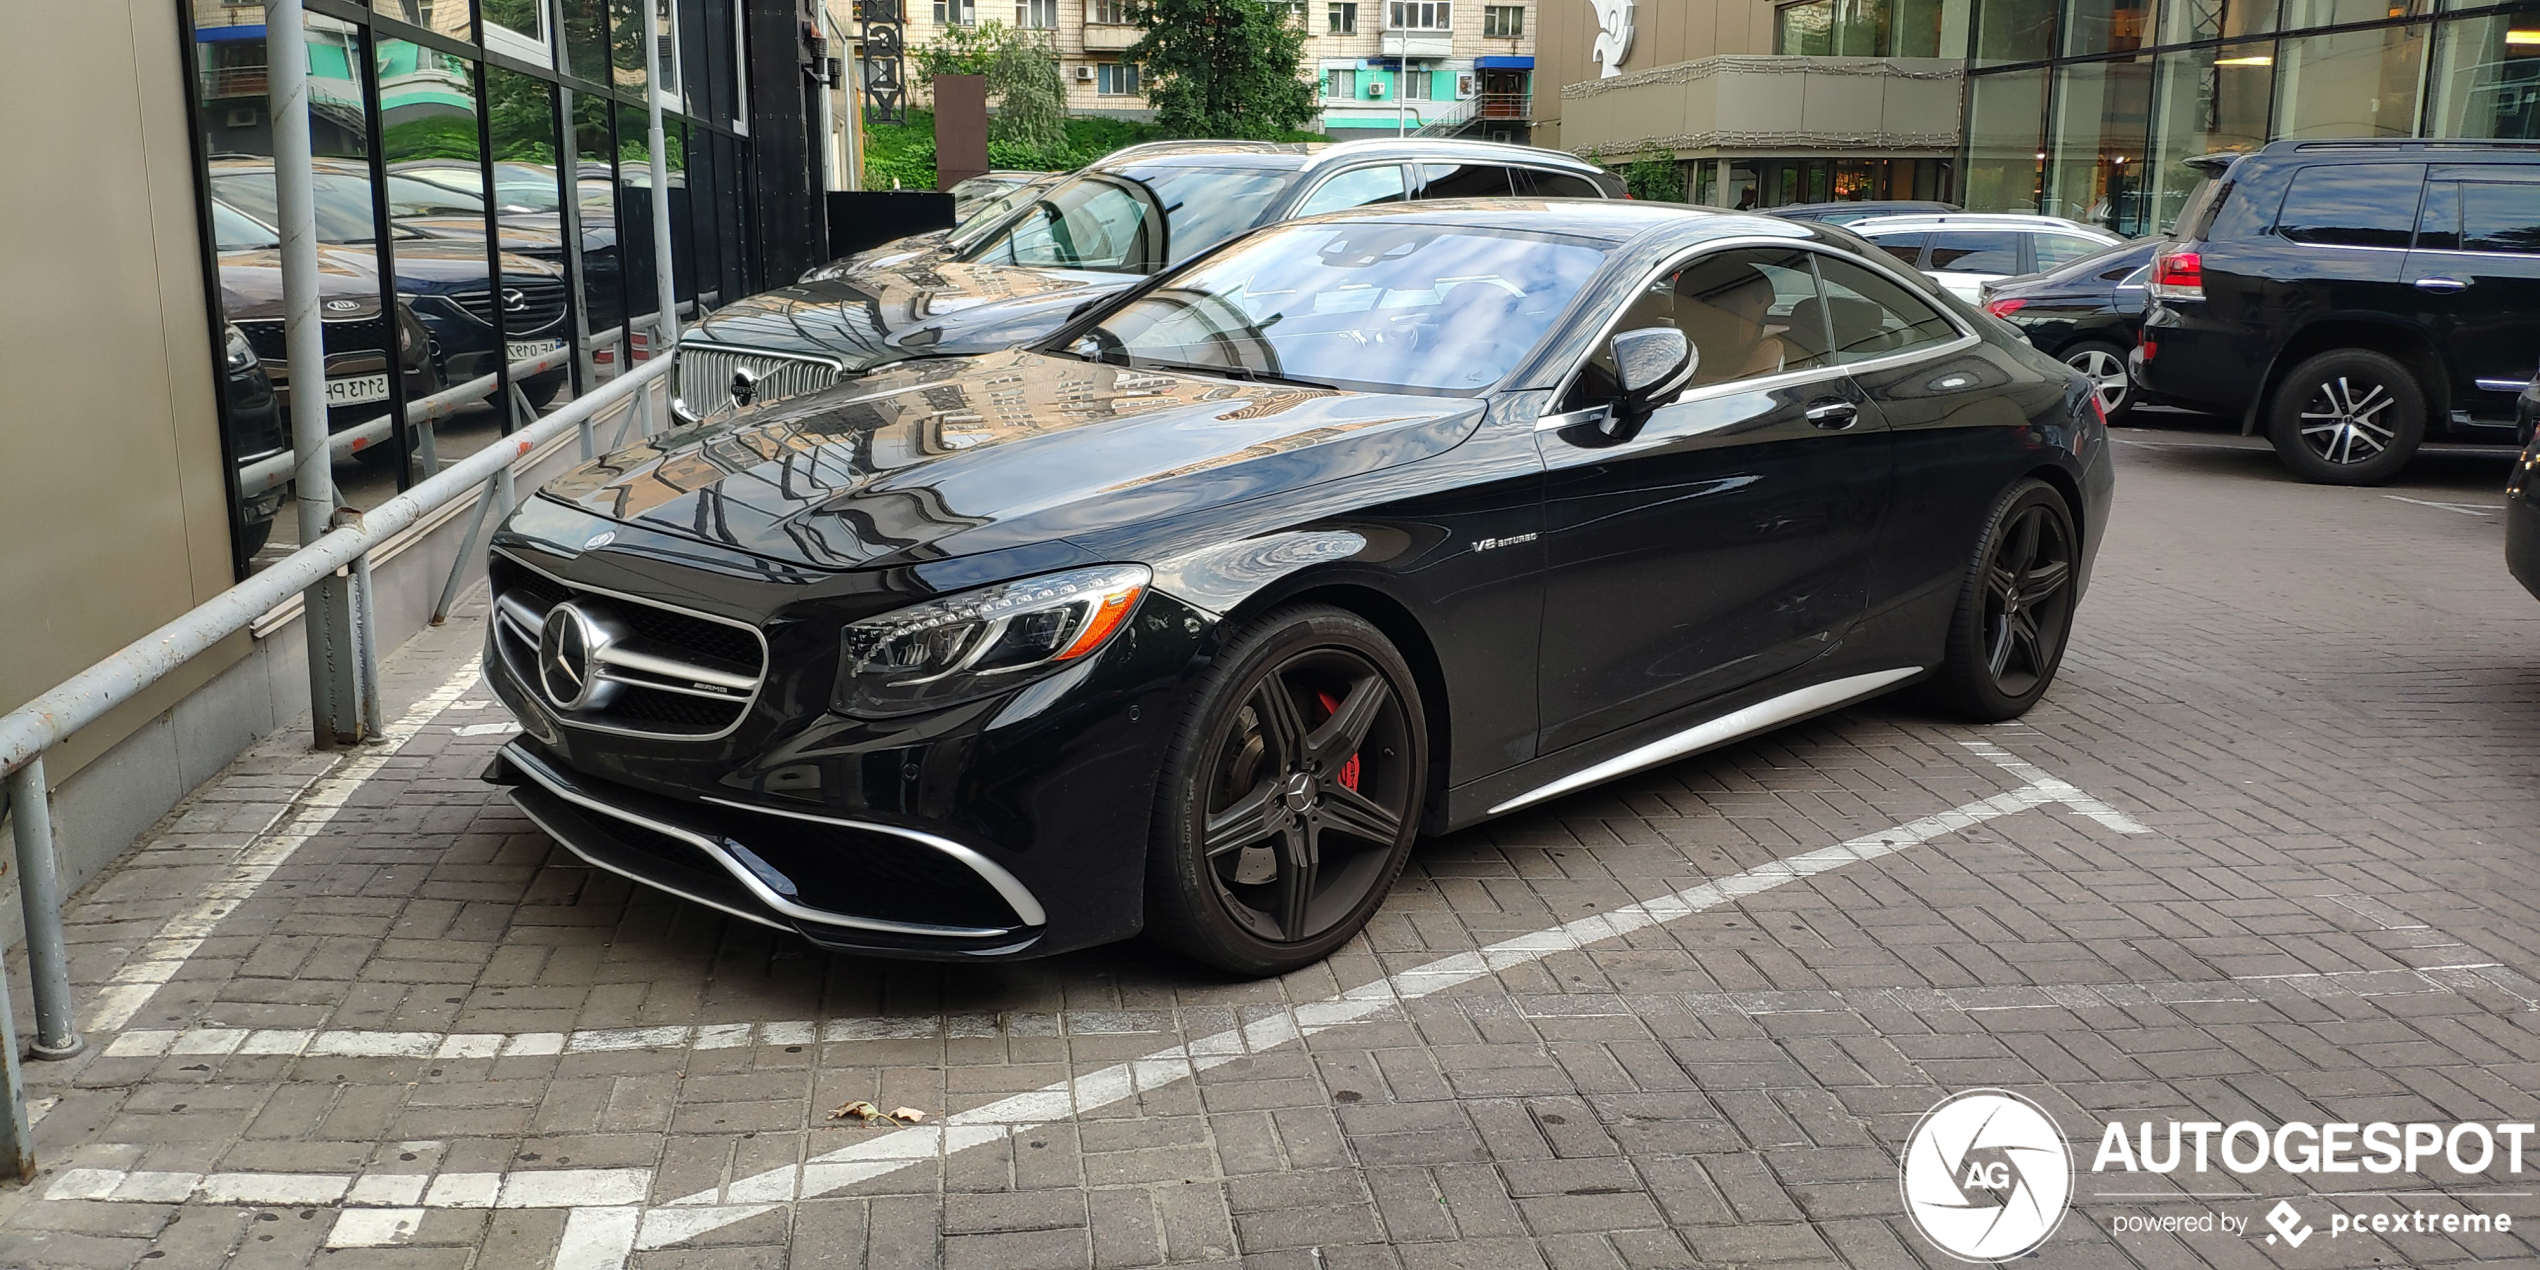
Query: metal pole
(467,549)
(327,621)
(825,114)
(665,281)
(365,646)
(48,967)
(17,1138)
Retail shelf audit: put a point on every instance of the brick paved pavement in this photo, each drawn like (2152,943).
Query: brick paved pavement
(419,1035)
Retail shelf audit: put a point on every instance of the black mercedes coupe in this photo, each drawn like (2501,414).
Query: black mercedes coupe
(1190,618)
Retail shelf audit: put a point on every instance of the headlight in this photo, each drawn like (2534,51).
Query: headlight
(241,354)
(982,642)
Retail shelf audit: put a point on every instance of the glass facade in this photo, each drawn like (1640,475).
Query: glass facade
(483,187)
(2090,108)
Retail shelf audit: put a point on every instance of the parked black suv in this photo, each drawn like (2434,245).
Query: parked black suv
(2351,297)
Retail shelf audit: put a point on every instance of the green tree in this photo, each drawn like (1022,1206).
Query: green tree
(1655,178)
(1221,68)
(1022,73)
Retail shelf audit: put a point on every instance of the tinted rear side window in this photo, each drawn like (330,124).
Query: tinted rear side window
(1907,248)
(1975,251)
(1463,180)
(2352,204)
(2055,250)
(2500,217)
(1537,183)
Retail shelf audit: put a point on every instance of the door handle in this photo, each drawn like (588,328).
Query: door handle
(1834,416)
(2441,284)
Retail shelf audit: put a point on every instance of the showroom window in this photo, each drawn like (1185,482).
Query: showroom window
(1859,28)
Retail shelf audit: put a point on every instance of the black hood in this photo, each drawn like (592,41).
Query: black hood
(952,457)
(872,317)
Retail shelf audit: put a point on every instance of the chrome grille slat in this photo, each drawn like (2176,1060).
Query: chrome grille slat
(662,689)
(705,375)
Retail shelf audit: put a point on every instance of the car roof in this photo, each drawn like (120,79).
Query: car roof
(1925,204)
(1316,155)
(1976,220)
(1612,220)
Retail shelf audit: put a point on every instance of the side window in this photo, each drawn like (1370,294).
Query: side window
(2500,217)
(2352,204)
(1538,183)
(1907,248)
(1749,312)
(1873,316)
(1975,251)
(1359,187)
(2056,250)
(2439,221)
(1463,180)
(1083,225)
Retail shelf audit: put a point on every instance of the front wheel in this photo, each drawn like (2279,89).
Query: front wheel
(2103,364)
(2015,609)
(2350,416)
(1290,796)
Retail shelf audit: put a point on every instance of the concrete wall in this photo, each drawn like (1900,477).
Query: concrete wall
(113,516)
(1880,106)
(1665,32)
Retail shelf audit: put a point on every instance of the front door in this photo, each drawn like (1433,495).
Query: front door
(2474,276)
(1726,536)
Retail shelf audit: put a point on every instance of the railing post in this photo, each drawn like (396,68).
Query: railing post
(334,689)
(665,281)
(17,1138)
(48,968)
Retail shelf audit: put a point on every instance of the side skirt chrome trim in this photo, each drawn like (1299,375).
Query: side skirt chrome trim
(1760,717)
(749,881)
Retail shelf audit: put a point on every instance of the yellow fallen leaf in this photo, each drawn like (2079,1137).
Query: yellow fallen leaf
(907,1115)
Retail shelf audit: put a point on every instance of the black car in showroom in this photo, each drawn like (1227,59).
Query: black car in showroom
(1188,619)
(2086,314)
(1073,242)
(2352,298)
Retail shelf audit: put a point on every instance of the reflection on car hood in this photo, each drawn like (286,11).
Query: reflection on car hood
(951,457)
(935,245)
(251,284)
(874,316)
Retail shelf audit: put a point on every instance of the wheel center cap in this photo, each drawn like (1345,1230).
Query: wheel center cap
(1298,793)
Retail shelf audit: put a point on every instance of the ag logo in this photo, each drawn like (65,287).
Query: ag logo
(1986,1175)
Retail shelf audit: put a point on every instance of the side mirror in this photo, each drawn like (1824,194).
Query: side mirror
(1651,365)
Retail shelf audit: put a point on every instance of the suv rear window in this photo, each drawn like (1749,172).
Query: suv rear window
(2500,217)
(1975,251)
(2352,204)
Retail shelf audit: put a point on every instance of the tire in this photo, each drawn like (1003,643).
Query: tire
(1271,846)
(2104,365)
(2349,416)
(253,537)
(542,389)
(2015,610)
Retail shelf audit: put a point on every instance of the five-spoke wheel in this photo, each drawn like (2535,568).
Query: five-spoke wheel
(2104,366)
(1291,795)
(2008,635)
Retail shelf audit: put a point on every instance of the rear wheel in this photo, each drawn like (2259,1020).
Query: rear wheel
(2103,364)
(2014,611)
(1290,796)
(2347,417)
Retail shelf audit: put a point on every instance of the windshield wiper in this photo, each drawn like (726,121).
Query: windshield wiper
(1238,372)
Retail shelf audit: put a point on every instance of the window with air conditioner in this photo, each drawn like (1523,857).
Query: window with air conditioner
(1419,15)
(1503,21)
(1344,18)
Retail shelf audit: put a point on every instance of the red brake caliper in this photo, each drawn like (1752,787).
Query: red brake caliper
(1349,771)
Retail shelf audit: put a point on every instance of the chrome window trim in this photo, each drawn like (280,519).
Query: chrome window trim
(1401,169)
(550,782)
(529,684)
(1966,338)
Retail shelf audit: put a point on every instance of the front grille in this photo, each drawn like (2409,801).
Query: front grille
(541,305)
(668,673)
(351,335)
(706,372)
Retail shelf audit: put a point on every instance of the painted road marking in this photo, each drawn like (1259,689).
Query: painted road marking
(309,814)
(609,1220)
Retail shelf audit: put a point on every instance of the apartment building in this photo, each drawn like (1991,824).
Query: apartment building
(1384,66)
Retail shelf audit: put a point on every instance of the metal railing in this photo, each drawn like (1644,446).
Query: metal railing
(332,569)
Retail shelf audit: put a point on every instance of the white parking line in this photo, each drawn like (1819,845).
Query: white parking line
(610,1219)
(158,961)
(2465,509)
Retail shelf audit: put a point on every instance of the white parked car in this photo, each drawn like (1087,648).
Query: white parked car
(1964,250)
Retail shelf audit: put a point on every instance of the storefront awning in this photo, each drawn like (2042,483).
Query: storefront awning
(1503,63)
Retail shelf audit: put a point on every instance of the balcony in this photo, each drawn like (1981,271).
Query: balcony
(1417,43)
(1110,37)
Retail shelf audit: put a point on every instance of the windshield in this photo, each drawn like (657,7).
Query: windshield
(408,196)
(1131,220)
(991,214)
(1378,307)
(234,230)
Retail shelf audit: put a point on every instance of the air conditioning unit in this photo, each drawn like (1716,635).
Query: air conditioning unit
(1376,89)
(1085,74)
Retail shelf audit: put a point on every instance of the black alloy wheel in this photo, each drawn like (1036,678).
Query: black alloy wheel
(2016,610)
(2347,417)
(2104,365)
(1291,795)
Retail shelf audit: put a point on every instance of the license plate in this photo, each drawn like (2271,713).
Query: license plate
(523,350)
(355,389)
